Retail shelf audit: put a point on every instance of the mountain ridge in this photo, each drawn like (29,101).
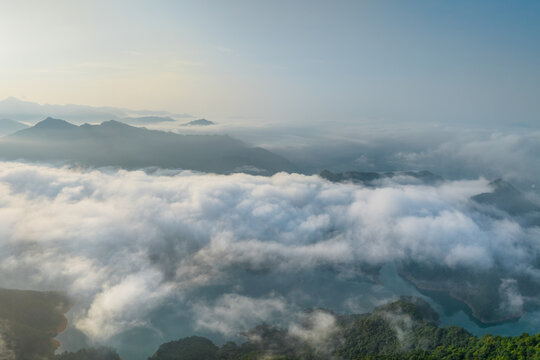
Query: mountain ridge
(22,110)
(114,143)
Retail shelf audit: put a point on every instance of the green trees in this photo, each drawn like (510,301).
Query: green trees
(102,353)
(191,348)
(406,329)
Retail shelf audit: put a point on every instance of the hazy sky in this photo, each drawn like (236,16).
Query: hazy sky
(311,61)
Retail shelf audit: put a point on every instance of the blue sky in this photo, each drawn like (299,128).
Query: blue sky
(306,61)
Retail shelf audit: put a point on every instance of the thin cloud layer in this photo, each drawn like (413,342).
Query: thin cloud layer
(233,313)
(125,243)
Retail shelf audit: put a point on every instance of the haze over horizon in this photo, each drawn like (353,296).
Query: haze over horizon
(460,62)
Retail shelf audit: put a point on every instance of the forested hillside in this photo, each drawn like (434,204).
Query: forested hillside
(401,330)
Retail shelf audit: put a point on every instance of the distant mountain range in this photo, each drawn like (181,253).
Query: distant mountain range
(113,143)
(19,110)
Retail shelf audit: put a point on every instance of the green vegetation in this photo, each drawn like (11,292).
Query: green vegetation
(406,329)
(191,348)
(102,353)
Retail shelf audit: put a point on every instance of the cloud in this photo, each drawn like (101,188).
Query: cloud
(317,328)
(119,306)
(6,350)
(512,299)
(126,243)
(494,154)
(231,314)
(402,324)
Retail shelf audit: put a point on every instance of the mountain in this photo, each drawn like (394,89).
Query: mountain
(49,124)
(371,178)
(8,126)
(113,143)
(19,110)
(200,122)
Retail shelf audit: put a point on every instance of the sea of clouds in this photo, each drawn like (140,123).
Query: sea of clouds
(124,244)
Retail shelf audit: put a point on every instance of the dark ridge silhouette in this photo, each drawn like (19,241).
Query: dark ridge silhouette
(113,143)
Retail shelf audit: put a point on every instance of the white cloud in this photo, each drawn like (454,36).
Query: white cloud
(495,154)
(315,328)
(232,313)
(513,301)
(6,350)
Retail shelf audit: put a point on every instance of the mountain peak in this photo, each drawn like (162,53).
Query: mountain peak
(56,124)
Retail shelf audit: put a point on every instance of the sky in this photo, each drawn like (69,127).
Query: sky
(311,62)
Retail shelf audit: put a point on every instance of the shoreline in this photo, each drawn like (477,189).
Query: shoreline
(472,312)
(60,328)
